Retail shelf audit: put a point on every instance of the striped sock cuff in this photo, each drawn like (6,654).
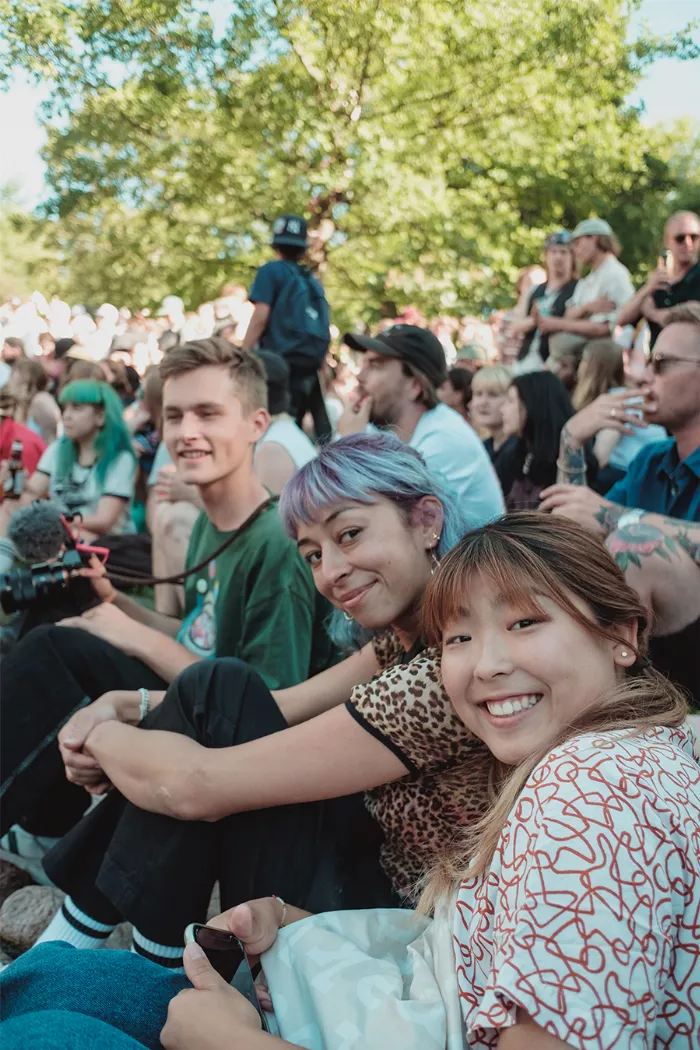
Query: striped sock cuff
(164,954)
(84,923)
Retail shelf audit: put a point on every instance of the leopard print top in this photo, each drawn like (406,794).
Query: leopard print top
(406,707)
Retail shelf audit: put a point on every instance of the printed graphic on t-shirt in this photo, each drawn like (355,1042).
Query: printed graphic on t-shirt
(198,631)
(75,491)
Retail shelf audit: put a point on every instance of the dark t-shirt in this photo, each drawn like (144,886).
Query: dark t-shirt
(682,291)
(506,461)
(256,601)
(267,286)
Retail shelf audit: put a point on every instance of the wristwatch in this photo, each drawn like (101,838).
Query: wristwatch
(630,517)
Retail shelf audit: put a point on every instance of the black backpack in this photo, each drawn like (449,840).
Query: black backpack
(301,310)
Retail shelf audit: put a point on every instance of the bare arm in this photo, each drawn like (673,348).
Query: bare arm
(274,466)
(631,311)
(327,689)
(589,329)
(148,617)
(36,488)
(606,440)
(326,757)
(257,325)
(526,1035)
(107,513)
(676,533)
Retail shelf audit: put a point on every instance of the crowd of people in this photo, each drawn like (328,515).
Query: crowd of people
(391,636)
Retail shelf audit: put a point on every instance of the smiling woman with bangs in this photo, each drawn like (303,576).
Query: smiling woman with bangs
(578,892)
(566,917)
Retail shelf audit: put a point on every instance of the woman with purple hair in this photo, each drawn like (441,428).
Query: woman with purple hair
(193,781)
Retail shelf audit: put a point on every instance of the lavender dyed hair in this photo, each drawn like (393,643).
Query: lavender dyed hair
(363,468)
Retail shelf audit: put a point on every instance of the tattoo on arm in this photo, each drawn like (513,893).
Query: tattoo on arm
(571,465)
(631,544)
(609,515)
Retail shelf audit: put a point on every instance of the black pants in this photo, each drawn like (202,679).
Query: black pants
(48,676)
(306,396)
(158,872)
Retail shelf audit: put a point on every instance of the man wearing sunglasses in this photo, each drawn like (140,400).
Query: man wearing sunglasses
(651,518)
(677,281)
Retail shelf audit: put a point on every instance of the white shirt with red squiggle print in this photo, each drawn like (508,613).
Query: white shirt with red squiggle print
(589,919)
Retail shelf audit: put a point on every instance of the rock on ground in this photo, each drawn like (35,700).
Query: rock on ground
(120,937)
(26,914)
(12,878)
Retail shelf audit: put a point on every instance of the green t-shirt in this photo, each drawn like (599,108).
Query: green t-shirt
(256,601)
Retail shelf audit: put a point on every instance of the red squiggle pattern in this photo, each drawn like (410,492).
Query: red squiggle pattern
(589,919)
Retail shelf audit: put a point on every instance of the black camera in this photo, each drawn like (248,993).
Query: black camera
(49,586)
(45,583)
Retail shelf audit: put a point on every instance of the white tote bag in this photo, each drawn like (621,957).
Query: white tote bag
(366,980)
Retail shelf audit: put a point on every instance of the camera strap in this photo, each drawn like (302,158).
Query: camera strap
(136,579)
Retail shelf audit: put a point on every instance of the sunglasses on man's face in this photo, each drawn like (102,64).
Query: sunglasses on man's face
(680,238)
(661,363)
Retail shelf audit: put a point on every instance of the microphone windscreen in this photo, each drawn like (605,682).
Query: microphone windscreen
(37,532)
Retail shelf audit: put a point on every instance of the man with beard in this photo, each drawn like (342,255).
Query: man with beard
(397,388)
(651,518)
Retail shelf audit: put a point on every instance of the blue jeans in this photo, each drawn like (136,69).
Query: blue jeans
(56,997)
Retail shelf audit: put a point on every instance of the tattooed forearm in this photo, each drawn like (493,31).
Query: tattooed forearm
(571,465)
(630,544)
(609,515)
(652,536)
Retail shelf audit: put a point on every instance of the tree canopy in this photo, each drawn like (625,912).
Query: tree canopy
(431,144)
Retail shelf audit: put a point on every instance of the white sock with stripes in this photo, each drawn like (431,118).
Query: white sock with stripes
(163,954)
(74,926)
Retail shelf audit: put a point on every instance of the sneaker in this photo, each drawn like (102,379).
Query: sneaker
(27,852)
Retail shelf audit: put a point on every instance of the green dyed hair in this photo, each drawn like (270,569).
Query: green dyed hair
(113,438)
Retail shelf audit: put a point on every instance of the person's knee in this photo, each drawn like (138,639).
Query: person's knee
(204,685)
(85,982)
(62,1030)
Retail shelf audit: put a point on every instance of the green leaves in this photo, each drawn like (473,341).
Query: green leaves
(432,145)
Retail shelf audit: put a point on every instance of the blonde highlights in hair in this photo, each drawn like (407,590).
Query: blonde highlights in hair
(244,367)
(521,556)
(601,368)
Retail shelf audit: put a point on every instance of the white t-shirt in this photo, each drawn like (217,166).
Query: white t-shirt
(161,459)
(588,918)
(82,490)
(611,281)
(293,440)
(453,450)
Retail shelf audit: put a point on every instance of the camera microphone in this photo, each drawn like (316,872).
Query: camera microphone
(37,532)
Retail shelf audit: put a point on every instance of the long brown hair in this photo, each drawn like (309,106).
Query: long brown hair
(601,368)
(522,556)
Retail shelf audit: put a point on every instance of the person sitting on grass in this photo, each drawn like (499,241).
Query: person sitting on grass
(372,522)
(538,938)
(251,596)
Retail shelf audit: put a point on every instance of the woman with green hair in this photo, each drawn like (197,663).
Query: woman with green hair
(91,468)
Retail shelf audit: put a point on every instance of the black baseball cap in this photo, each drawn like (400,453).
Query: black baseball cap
(416,346)
(290,230)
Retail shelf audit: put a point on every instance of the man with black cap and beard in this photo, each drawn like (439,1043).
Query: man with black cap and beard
(397,388)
